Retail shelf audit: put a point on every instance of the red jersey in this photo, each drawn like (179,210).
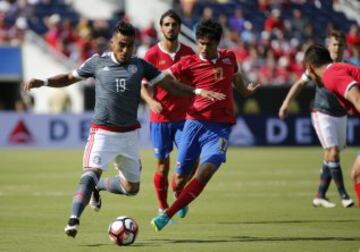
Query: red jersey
(215,75)
(339,78)
(174,107)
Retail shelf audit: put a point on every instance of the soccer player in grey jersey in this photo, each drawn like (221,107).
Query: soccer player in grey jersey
(329,119)
(113,134)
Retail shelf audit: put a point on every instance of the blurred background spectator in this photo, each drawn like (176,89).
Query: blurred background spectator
(267,36)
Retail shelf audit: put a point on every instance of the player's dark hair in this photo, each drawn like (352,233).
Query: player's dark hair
(209,29)
(317,55)
(124,28)
(173,15)
(338,35)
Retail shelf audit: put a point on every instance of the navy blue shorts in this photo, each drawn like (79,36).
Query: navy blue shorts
(164,136)
(207,140)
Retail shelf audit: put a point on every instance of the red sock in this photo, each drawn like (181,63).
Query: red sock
(357,190)
(161,184)
(190,192)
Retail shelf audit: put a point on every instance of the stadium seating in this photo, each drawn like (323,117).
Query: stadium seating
(286,43)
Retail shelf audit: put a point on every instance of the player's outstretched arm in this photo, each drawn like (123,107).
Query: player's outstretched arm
(294,91)
(61,80)
(154,105)
(353,95)
(244,90)
(180,89)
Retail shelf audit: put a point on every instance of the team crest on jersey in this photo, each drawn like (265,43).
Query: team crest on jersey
(227,61)
(132,69)
(162,62)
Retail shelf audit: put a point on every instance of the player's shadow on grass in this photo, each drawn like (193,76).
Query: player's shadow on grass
(98,245)
(285,222)
(255,239)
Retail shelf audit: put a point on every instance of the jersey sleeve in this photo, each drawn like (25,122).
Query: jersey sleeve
(177,70)
(147,58)
(151,73)
(234,61)
(87,69)
(339,82)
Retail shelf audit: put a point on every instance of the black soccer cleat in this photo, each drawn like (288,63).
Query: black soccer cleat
(72,227)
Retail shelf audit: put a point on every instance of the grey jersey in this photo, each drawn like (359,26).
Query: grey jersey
(325,101)
(117,87)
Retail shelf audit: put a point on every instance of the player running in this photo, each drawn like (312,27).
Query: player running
(329,120)
(113,132)
(341,79)
(208,124)
(167,112)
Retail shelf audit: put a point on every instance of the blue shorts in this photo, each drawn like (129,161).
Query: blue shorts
(163,137)
(208,140)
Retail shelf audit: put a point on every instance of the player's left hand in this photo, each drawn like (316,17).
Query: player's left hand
(211,95)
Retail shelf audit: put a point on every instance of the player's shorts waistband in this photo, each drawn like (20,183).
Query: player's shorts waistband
(116,128)
(340,114)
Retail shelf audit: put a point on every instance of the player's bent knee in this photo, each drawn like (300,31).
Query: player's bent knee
(132,189)
(333,154)
(133,192)
(97,171)
(89,176)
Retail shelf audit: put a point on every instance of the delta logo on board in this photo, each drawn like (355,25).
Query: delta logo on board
(20,134)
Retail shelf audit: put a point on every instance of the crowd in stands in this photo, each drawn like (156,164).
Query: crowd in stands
(268,37)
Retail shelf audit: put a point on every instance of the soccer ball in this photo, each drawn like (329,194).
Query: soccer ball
(123,230)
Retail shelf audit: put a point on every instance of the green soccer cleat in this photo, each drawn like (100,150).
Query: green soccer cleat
(160,221)
(182,212)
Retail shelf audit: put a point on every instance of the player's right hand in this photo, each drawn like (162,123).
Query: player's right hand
(283,112)
(33,83)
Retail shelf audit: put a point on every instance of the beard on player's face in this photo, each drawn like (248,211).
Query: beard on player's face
(122,46)
(172,37)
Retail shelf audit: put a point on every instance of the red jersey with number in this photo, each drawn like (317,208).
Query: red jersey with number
(339,78)
(215,75)
(174,107)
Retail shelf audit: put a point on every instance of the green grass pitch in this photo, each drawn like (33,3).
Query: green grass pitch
(260,200)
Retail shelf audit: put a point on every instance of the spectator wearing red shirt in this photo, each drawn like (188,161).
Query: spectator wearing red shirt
(274,21)
(353,36)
